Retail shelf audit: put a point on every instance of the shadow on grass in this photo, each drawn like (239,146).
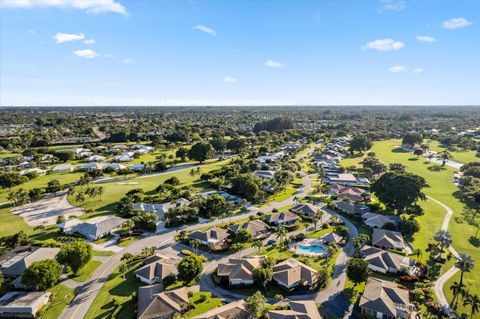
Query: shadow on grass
(413,159)
(436,168)
(474,241)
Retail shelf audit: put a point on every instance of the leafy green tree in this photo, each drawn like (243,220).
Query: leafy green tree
(397,167)
(53,186)
(35,193)
(18,197)
(360,143)
(201,151)
(257,304)
(322,278)
(245,186)
(65,156)
(236,145)
(411,139)
(182,153)
(398,190)
(357,270)
(243,236)
(41,275)
(262,276)
(190,268)
(10,179)
(75,255)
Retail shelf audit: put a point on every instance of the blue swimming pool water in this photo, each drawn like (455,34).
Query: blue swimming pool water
(311,248)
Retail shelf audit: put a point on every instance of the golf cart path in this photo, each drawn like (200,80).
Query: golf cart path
(440,282)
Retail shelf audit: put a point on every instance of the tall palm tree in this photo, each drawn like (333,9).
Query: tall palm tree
(474,302)
(443,237)
(465,263)
(418,253)
(257,243)
(281,234)
(456,288)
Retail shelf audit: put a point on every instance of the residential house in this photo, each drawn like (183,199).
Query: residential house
(98,227)
(384,261)
(233,310)
(354,194)
(265,174)
(228,197)
(116,166)
(291,273)
(122,158)
(23,304)
(160,209)
(14,263)
(351,208)
(37,170)
(346,179)
(270,157)
(258,228)
(92,166)
(331,237)
(239,271)
(63,168)
(375,220)
(305,209)
(154,304)
(67,226)
(96,158)
(213,238)
(385,300)
(299,309)
(387,239)
(157,271)
(281,219)
(137,167)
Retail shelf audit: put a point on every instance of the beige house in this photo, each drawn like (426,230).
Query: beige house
(385,300)
(305,209)
(233,310)
(281,219)
(291,273)
(384,261)
(157,271)
(213,238)
(23,304)
(387,239)
(300,309)
(14,263)
(154,304)
(355,194)
(258,228)
(239,271)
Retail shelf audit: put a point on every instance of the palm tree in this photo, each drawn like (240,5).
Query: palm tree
(130,224)
(80,197)
(443,237)
(474,302)
(418,253)
(444,155)
(465,263)
(257,243)
(456,288)
(281,234)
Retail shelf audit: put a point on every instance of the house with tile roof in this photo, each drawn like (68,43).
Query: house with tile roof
(98,227)
(23,304)
(14,263)
(298,309)
(239,271)
(152,303)
(384,261)
(233,310)
(213,238)
(281,219)
(387,239)
(258,228)
(291,273)
(385,299)
(157,271)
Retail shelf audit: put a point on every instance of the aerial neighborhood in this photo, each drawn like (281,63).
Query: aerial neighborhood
(260,217)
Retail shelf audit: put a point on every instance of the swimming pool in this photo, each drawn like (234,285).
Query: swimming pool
(317,249)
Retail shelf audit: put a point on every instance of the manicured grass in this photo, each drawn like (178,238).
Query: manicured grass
(207,304)
(442,189)
(87,270)
(127,241)
(103,253)
(114,191)
(61,297)
(457,155)
(282,195)
(11,223)
(119,289)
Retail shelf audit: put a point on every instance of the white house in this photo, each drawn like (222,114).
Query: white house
(63,168)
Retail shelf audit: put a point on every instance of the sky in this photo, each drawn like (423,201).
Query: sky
(236,52)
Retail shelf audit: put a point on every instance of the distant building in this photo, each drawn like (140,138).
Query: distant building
(92,166)
(63,168)
(23,304)
(265,174)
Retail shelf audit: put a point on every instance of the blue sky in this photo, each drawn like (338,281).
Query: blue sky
(141,52)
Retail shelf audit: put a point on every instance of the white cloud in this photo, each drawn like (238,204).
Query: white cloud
(383,45)
(205,29)
(229,79)
(89,41)
(68,37)
(273,64)
(398,69)
(86,53)
(417,71)
(394,5)
(456,23)
(89,6)
(127,60)
(426,38)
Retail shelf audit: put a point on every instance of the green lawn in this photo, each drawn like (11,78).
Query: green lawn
(87,270)
(127,241)
(282,195)
(207,304)
(457,155)
(61,297)
(115,299)
(103,253)
(441,188)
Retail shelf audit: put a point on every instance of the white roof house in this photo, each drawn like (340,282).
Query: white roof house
(96,158)
(92,166)
(63,168)
(17,304)
(265,174)
(37,170)
(122,158)
(116,166)
(98,227)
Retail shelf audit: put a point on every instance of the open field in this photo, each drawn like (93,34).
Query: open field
(441,188)
(458,155)
(87,270)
